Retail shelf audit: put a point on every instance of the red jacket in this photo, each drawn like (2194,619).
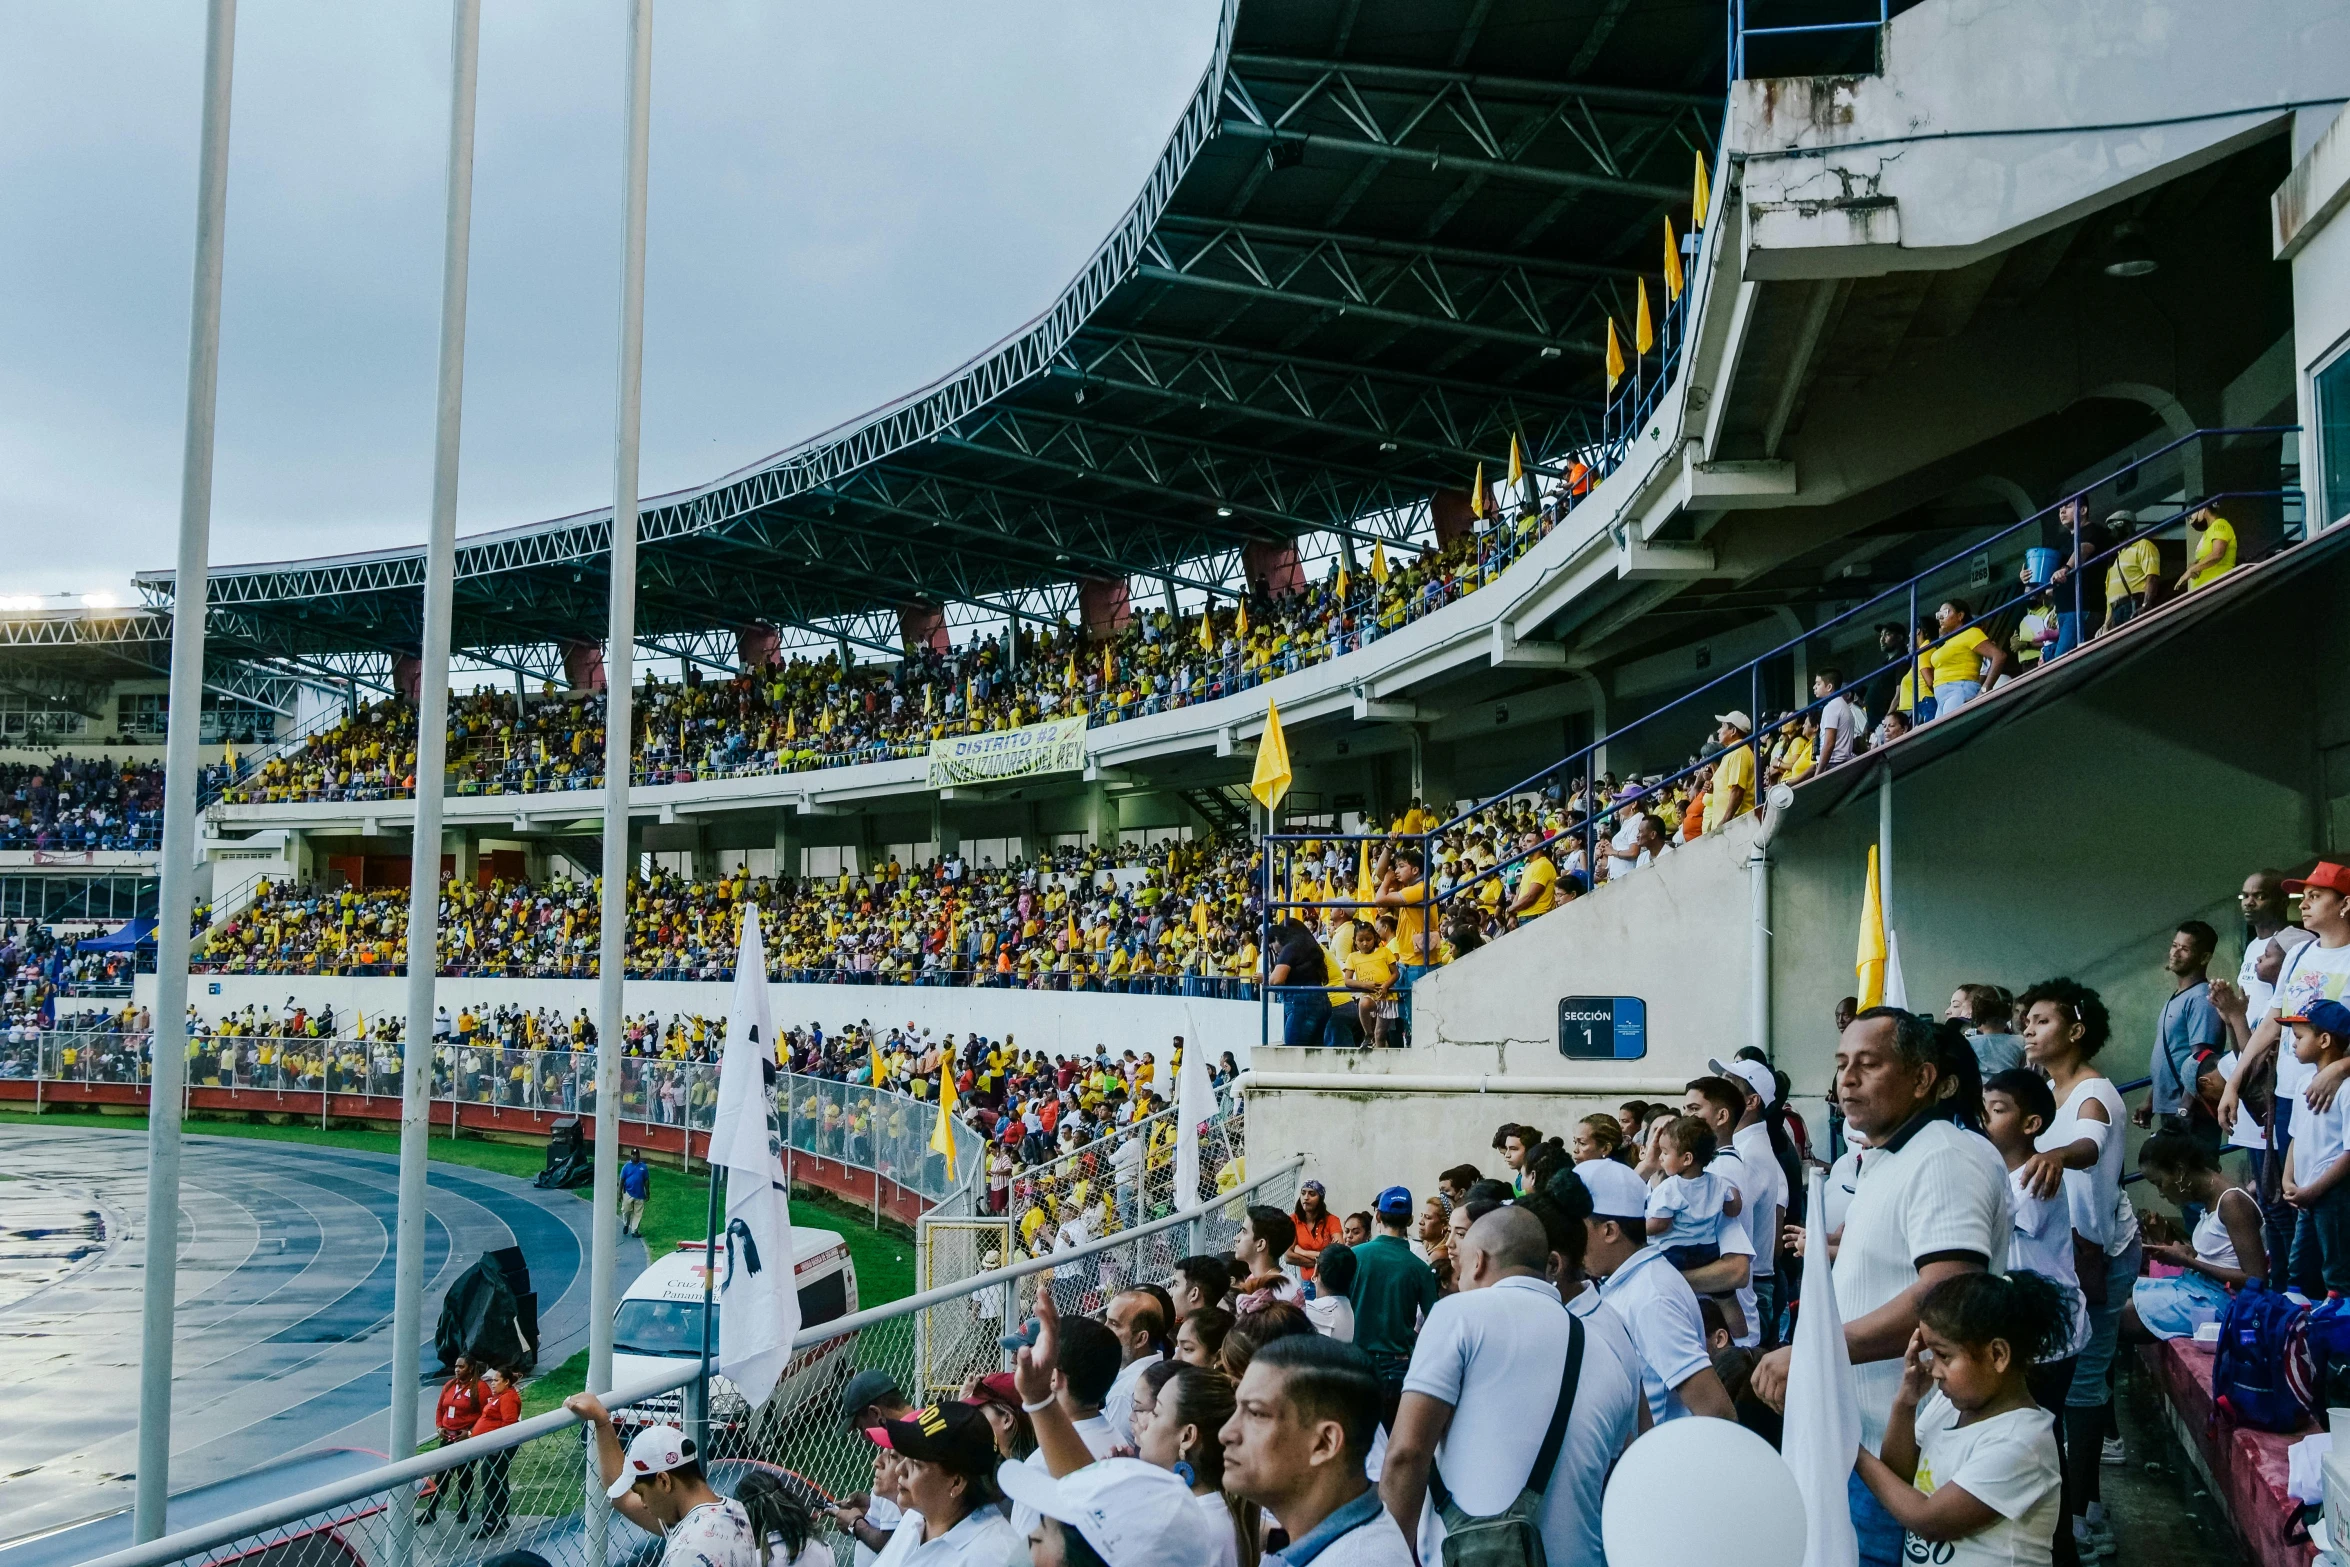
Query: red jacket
(501,1408)
(458,1408)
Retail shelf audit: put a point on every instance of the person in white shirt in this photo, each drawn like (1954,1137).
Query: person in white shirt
(1840,721)
(1720,1102)
(658,1486)
(1932,1204)
(1477,1402)
(947,1473)
(1968,1466)
(1134,1319)
(1771,1211)
(1304,1417)
(1130,1513)
(1079,1358)
(1329,1308)
(1651,1296)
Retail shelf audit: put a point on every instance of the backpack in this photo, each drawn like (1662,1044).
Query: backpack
(1513,1536)
(2260,1374)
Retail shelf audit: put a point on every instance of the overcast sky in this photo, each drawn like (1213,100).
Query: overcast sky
(847,200)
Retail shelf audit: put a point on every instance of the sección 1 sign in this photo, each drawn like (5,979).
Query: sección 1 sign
(1603,1028)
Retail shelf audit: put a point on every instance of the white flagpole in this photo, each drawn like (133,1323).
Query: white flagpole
(167,1045)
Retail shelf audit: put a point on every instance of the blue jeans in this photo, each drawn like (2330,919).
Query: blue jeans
(1303,1018)
(1880,1537)
(2068,634)
(2089,1389)
(1951,695)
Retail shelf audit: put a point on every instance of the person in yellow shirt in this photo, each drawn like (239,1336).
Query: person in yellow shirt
(1537,883)
(2214,552)
(1731,792)
(1963,660)
(2131,578)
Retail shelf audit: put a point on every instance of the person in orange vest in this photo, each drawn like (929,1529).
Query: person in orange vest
(453,1415)
(501,1405)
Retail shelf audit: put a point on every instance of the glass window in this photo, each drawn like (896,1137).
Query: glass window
(2333,436)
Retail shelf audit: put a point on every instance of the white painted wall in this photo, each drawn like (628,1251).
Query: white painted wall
(1055,1022)
(2312,235)
(2183,80)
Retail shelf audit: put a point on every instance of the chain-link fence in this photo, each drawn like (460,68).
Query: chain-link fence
(525,1488)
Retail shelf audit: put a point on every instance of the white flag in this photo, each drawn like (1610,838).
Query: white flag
(759,1303)
(1822,1431)
(1896,989)
(1195,1102)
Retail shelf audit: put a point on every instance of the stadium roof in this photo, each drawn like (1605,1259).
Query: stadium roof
(1382,238)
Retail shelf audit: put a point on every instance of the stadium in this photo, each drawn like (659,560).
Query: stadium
(1543,522)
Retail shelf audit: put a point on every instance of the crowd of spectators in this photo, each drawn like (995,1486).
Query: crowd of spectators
(1179,918)
(802,714)
(75,803)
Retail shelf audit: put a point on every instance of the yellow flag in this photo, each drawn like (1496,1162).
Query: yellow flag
(929,699)
(1075,940)
(1615,356)
(1271,779)
(1364,886)
(228,756)
(1207,628)
(1069,679)
(359,1023)
(1240,627)
(942,1136)
(1477,494)
(824,721)
(880,1075)
(1342,582)
(791,724)
(1109,667)
(1517,464)
(1673,282)
(1702,196)
(1643,329)
(1379,563)
(1869,962)
(1199,916)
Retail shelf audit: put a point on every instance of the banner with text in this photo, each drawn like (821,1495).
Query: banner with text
(1056,747)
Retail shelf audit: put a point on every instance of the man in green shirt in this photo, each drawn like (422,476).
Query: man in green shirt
(1394,1290)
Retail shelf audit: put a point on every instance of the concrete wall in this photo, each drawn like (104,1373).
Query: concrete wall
(2310,234)
(1036,1019)
(1906,172)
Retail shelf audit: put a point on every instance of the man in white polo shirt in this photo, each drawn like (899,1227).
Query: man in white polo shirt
(1932,1202)
(1656,1304)
(1764,1185)
(1486,1383)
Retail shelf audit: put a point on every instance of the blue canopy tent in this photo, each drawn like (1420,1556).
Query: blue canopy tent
(129,938)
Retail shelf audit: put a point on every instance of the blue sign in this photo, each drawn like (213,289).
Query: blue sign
(1603,1028)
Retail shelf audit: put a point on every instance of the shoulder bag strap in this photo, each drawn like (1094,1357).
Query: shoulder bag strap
(1546,1458)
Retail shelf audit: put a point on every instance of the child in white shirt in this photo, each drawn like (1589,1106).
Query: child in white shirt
(1687,1204)
(1969,1465)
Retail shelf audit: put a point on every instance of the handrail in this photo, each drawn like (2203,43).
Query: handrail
(402,1473)
(2070,511)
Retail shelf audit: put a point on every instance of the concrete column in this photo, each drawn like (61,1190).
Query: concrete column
(1101,817)
(943,831)
(464,844)
(705,858)
(1431,769)
(787,845)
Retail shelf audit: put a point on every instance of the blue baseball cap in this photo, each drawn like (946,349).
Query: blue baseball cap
(1393,1203)
(2327,1017)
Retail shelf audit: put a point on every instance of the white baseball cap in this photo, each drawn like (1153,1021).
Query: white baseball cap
(1132,1513)
(1616,1192)
(1751,1074)
(656,1450)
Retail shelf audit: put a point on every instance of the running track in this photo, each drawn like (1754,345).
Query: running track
(285,1300)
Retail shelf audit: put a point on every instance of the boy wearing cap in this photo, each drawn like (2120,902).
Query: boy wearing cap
(1394,1290)
(2314,1166)
(658,1486)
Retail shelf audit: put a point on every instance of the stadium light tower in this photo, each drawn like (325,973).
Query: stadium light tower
(432,744)
(175,903)
(619,724)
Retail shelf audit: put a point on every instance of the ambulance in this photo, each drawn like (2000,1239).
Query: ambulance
(658,1328)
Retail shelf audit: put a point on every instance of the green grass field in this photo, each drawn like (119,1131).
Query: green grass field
(676,1211)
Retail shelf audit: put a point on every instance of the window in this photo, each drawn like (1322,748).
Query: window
(141,716)
(2333,437)
(824,1300)
(145,716)
(33,720)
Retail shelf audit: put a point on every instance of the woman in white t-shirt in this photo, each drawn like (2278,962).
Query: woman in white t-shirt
(780,1521)
(1969,1466)
(2065,1025)
(2211,1264)
(1192,1405)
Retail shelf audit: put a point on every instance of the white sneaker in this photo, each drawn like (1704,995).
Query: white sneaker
(2113,1452)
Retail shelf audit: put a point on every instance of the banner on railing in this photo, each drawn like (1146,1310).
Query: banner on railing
(1055,747)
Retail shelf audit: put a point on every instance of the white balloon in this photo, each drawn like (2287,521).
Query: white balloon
(1714,1474)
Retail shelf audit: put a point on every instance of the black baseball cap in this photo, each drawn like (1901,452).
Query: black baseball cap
(957,1435)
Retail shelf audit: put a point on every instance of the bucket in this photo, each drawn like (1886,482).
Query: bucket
(2039,567)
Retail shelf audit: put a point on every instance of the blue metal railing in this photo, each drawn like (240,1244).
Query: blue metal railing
(1573,783)
(1740,32)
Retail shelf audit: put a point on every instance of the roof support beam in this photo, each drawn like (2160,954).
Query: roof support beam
(1420,78)
(1453,162)
(1400,249)
(1351,307)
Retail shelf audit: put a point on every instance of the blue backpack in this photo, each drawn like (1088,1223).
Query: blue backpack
(2261,1372)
